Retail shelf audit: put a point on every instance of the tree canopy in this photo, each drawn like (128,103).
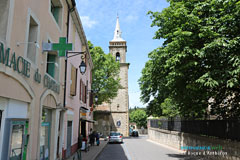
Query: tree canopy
(105,74)
(139,116)
(199,62)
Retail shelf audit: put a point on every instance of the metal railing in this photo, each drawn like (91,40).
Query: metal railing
(224,129)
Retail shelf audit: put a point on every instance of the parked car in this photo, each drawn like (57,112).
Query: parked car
(115,137)
(134,133)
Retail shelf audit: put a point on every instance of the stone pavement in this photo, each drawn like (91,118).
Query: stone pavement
(93,152)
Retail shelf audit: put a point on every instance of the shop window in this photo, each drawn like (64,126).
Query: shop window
(32,40)
(56,9)
(16,142)
(74,81)
(52,65)
(118,56)
(45,137)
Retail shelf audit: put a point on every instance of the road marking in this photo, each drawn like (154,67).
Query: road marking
(126,151)
(165,146)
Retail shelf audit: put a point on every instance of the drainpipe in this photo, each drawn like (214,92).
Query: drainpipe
(68,19)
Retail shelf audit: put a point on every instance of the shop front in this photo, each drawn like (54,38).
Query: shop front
(14,129)
(86,125)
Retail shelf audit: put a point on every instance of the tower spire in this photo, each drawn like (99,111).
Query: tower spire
(117,32)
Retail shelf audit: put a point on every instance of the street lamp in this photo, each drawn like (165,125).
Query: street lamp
(82,67)
(96,98)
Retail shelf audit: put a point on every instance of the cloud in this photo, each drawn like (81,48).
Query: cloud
(87,22)
(131,18)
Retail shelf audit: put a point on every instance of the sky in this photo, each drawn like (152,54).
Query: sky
(99,20)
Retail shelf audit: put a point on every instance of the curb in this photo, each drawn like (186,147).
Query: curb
(99,152)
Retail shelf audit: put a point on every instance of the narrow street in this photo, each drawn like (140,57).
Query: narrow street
(140,148)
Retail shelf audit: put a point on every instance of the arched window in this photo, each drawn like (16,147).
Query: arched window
(117,56)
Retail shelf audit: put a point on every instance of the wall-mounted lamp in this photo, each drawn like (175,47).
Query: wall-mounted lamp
(35,43)
(96,98)
(82,67)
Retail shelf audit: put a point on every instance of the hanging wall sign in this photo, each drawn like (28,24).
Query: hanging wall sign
(62,47)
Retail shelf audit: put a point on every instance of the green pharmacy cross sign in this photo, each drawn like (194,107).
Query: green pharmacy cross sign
(61,47)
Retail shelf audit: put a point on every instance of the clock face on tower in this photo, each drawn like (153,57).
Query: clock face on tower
(118,123)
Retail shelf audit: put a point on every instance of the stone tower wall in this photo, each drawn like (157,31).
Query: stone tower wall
(119,105)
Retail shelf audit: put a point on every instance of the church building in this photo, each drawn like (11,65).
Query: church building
(115,116)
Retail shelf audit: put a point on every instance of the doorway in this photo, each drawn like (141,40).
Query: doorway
(69,138)
(83,129)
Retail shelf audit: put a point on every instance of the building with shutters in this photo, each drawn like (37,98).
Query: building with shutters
(115,116)
(33,110)
(78,118)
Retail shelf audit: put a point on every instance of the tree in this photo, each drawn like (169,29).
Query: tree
(105,74)
(199,59)
(139,116)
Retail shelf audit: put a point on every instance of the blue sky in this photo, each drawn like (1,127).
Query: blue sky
(99,19)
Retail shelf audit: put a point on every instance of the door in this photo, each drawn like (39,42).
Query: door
(69,138)
(17,140)
(45,141)
(83,129)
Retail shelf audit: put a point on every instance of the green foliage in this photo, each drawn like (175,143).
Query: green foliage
(199,58)
(139,116)
(169,109)
(105,74)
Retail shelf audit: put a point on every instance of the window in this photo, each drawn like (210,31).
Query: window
(117,56)
(74,81)
(56,8)
(32,40)
(4,8)
(51,64)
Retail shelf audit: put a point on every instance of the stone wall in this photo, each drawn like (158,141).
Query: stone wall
(178,140)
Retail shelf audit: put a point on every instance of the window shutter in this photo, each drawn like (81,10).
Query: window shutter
(80,90)
(74,81)
(85,100)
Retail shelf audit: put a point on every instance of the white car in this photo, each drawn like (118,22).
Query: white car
(115,137)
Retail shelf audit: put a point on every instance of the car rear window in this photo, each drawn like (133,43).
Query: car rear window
(115,134)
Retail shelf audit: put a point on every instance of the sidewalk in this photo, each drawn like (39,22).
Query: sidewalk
(93,152)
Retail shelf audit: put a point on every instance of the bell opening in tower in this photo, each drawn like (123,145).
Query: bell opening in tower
(118,57)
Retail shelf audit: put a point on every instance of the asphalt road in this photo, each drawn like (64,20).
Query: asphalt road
(140,148)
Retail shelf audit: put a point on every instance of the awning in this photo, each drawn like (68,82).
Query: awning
(87,120)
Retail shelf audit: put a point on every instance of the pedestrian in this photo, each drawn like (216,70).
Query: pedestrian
(97,138)
(92,138)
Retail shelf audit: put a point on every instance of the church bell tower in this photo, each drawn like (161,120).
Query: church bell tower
(119,105)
